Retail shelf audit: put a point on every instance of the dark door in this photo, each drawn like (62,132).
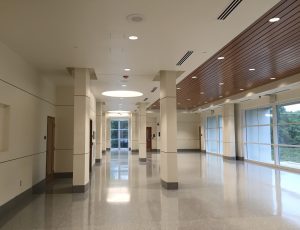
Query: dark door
(149,138)
(91,144)
(50,147)
(200,135)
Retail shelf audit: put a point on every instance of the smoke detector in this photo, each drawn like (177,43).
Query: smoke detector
(135,18)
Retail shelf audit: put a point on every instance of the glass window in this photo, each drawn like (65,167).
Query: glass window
(259,135)
(289,156)
(288,113)
(119,134)
(289,134)
(114,125)
(214,134)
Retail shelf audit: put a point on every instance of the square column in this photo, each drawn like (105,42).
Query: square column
(81,130)
(134,133)
(142,132)
(168,129)
(229,150)
(99,132)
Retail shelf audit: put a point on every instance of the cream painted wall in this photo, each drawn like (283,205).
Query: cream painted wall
(64,130)
(187,130)
(31,98)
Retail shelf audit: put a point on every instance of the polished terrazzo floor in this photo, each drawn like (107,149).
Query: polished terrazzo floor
(213,194)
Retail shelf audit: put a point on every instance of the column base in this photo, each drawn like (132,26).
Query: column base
(98,161)
(80,188)
(229,158)
(169,185)
(143,159)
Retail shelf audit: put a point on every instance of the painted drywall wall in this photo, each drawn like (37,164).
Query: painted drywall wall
(187,130)
(64,129)
(31,98)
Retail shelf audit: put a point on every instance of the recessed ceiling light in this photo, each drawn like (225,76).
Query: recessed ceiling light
(273,78)
(220,58)
(205,102)
(241,89)
(251,69)
(201,92)
(220,96)
(127,69)
(120,93)
(133,37)
(274,19)
(221,83)
(178,103)
(194,77)
(188,99)
(178,88)
(124,85)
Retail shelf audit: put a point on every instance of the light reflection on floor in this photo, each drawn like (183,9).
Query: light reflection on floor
(213,194)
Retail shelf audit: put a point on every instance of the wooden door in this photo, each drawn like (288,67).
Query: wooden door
(50,147)
(149,138)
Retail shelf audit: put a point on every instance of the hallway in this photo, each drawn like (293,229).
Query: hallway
(125,194)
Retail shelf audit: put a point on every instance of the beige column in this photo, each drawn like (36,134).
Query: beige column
(229,151)
(103,132)
(81,130)
(99,132)
(168,129)
(134,132)
(142,132)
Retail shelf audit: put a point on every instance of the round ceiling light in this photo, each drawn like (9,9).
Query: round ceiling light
(133,37)
(274,19)
(135,18)
(122,93)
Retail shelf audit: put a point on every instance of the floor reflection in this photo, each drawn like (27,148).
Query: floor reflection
(213,194)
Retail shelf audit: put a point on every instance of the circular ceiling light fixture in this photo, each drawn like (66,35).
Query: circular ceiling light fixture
(133,37)
(252,69)
(135,18)
(220,58)
(276,19)
(127,69)
(122,93)
(194,77)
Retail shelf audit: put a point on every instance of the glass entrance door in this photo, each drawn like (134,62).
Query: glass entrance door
(119,134)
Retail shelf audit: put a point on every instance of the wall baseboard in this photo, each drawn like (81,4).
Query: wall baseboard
(240,158)
(169,185)
(63,175)
(188,150)
(9,209)
(81,188)
(229,158)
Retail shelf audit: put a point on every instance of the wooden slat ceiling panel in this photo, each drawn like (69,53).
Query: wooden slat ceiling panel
(272,49)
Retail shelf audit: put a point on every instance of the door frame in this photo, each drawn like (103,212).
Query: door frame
(50,141)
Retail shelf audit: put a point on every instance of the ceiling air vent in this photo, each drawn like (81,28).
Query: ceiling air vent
(186,56)
(155,88)
(146,99)
(229,9)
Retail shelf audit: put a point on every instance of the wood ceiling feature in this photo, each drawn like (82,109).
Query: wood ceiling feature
(272,49)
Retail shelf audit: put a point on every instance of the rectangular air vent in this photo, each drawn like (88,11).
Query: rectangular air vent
(155,88)
(229,9)
(185,57)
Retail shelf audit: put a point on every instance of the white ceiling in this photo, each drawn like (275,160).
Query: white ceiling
(56,34)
